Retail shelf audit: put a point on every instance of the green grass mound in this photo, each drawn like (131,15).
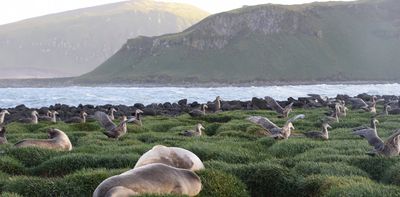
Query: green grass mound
(9,194)
(84,182)
(321,185)
(375,166)
(266,179)
(32,186)
(239,159)
(11,166)
(220,184)
(32,156)
(288,148)
(392,175)
(66,164)
(330,169)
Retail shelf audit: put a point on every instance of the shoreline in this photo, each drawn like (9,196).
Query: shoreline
(68,82)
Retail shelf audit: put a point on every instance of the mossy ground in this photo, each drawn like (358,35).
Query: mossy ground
(240,161)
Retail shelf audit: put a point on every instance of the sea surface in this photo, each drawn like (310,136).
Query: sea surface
(40,97)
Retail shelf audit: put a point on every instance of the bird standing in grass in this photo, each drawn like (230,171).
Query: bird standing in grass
(137,118)
(78,119)
(194,133)
(199,112)
(217,104)
(3,113)
(323,135)
(373,124)
(275,131)
(32,120)
(112,130)
(112,110)
(391,147)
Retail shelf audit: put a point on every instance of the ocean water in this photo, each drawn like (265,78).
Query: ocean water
(39,97)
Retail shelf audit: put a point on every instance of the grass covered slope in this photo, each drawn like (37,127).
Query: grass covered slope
(319,41)
(75,42)
(239,160)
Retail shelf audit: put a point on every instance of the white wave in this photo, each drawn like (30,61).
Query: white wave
(11,97)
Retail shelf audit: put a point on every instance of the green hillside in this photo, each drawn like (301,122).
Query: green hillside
(75,42)
(311,42)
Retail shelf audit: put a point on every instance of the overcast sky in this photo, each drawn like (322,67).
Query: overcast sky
(15,10)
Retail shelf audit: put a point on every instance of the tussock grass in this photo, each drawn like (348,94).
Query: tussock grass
(240,159)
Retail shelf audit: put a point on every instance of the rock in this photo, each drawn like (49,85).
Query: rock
(258,103)
(182,102)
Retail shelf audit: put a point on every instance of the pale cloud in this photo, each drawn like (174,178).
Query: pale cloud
(15,10)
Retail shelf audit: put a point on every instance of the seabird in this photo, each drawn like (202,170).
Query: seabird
(112,110)
(78,119)
(198,112)
(112,130)
(275,131)
(217,103)
(3,113)
(283,112)
(194,133)
(33,119)
(137,118)
(324,134)
(390,147)
(373,123)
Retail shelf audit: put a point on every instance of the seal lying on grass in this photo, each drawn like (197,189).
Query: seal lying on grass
(58,140)
(172,156)
(150,179)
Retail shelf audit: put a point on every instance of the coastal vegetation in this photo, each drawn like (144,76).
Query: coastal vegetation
(240,159)
(316,42)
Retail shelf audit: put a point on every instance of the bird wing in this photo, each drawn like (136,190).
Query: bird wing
(358,103)
(394,138)
(300,116)
(274,105)
(289,106)
(372,138)
(125,121)
(104,120)
(263,122)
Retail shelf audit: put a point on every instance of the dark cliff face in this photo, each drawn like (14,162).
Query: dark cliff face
(318,41)
(217,31)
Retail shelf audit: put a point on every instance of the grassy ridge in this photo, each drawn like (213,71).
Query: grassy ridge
(327,42)
(75,42)
(239,160)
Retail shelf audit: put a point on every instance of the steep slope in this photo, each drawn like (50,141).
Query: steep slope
(75,42)
(318,41)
